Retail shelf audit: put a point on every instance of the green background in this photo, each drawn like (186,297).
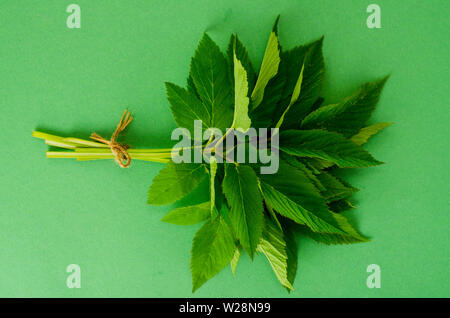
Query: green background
(56,212)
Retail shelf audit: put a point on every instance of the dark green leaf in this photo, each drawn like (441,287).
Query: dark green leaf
(335,189)
(186,108)
(325,145)
(209,72)
(291,193)
(246,210)
(350,115)
(310,57)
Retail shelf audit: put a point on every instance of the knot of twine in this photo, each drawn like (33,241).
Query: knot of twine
(119,151)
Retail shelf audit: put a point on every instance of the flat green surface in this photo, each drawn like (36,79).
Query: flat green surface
(55,212)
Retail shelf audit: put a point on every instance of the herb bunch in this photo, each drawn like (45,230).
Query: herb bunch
(248,211)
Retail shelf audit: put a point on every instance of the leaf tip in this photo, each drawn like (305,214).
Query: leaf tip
(275,25)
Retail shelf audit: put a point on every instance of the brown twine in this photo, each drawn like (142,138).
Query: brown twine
(121,155)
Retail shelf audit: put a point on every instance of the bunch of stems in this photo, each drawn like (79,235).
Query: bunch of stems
(83,150)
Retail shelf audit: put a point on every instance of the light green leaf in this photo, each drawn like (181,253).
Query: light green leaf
(352,235)
(365,133)
(188,215)
(325,145)
(241,120)
(269,66)
(186,108)
(246,210)
(235,260)
(273,246)
(319,164)
(175,181)
(236,46)
(209,72)
(212,249)
(264,115)
(350,115)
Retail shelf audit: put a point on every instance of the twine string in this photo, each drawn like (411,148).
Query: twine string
(121,156)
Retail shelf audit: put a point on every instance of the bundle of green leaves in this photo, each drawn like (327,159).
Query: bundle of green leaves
(264,213)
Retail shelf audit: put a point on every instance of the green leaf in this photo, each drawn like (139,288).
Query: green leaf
(212,249)
(212,186)
(290,193)
(335,189)
(269,66)
(350,115)
(273,246)
(175,181)
(235,259)
(318,164)
(191,86)
(293,161)
(263,116)
(305,61)
(188,215)
(241,120)
(365,133)
(325,145)
(292,254)
(209,72)
(236,46)
(186,108)
(294,97)
(352,235)
(246,210)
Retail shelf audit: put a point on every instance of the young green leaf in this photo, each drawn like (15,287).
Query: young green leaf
(269,66)
(325,145)
(212,249)
(273,246)
(246,210)
(188,215)
(263,116)
(350,115)
(235,260)
(186,108)
(365,133)
(236,46)
(209,72)
(175,181)
(241,120)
